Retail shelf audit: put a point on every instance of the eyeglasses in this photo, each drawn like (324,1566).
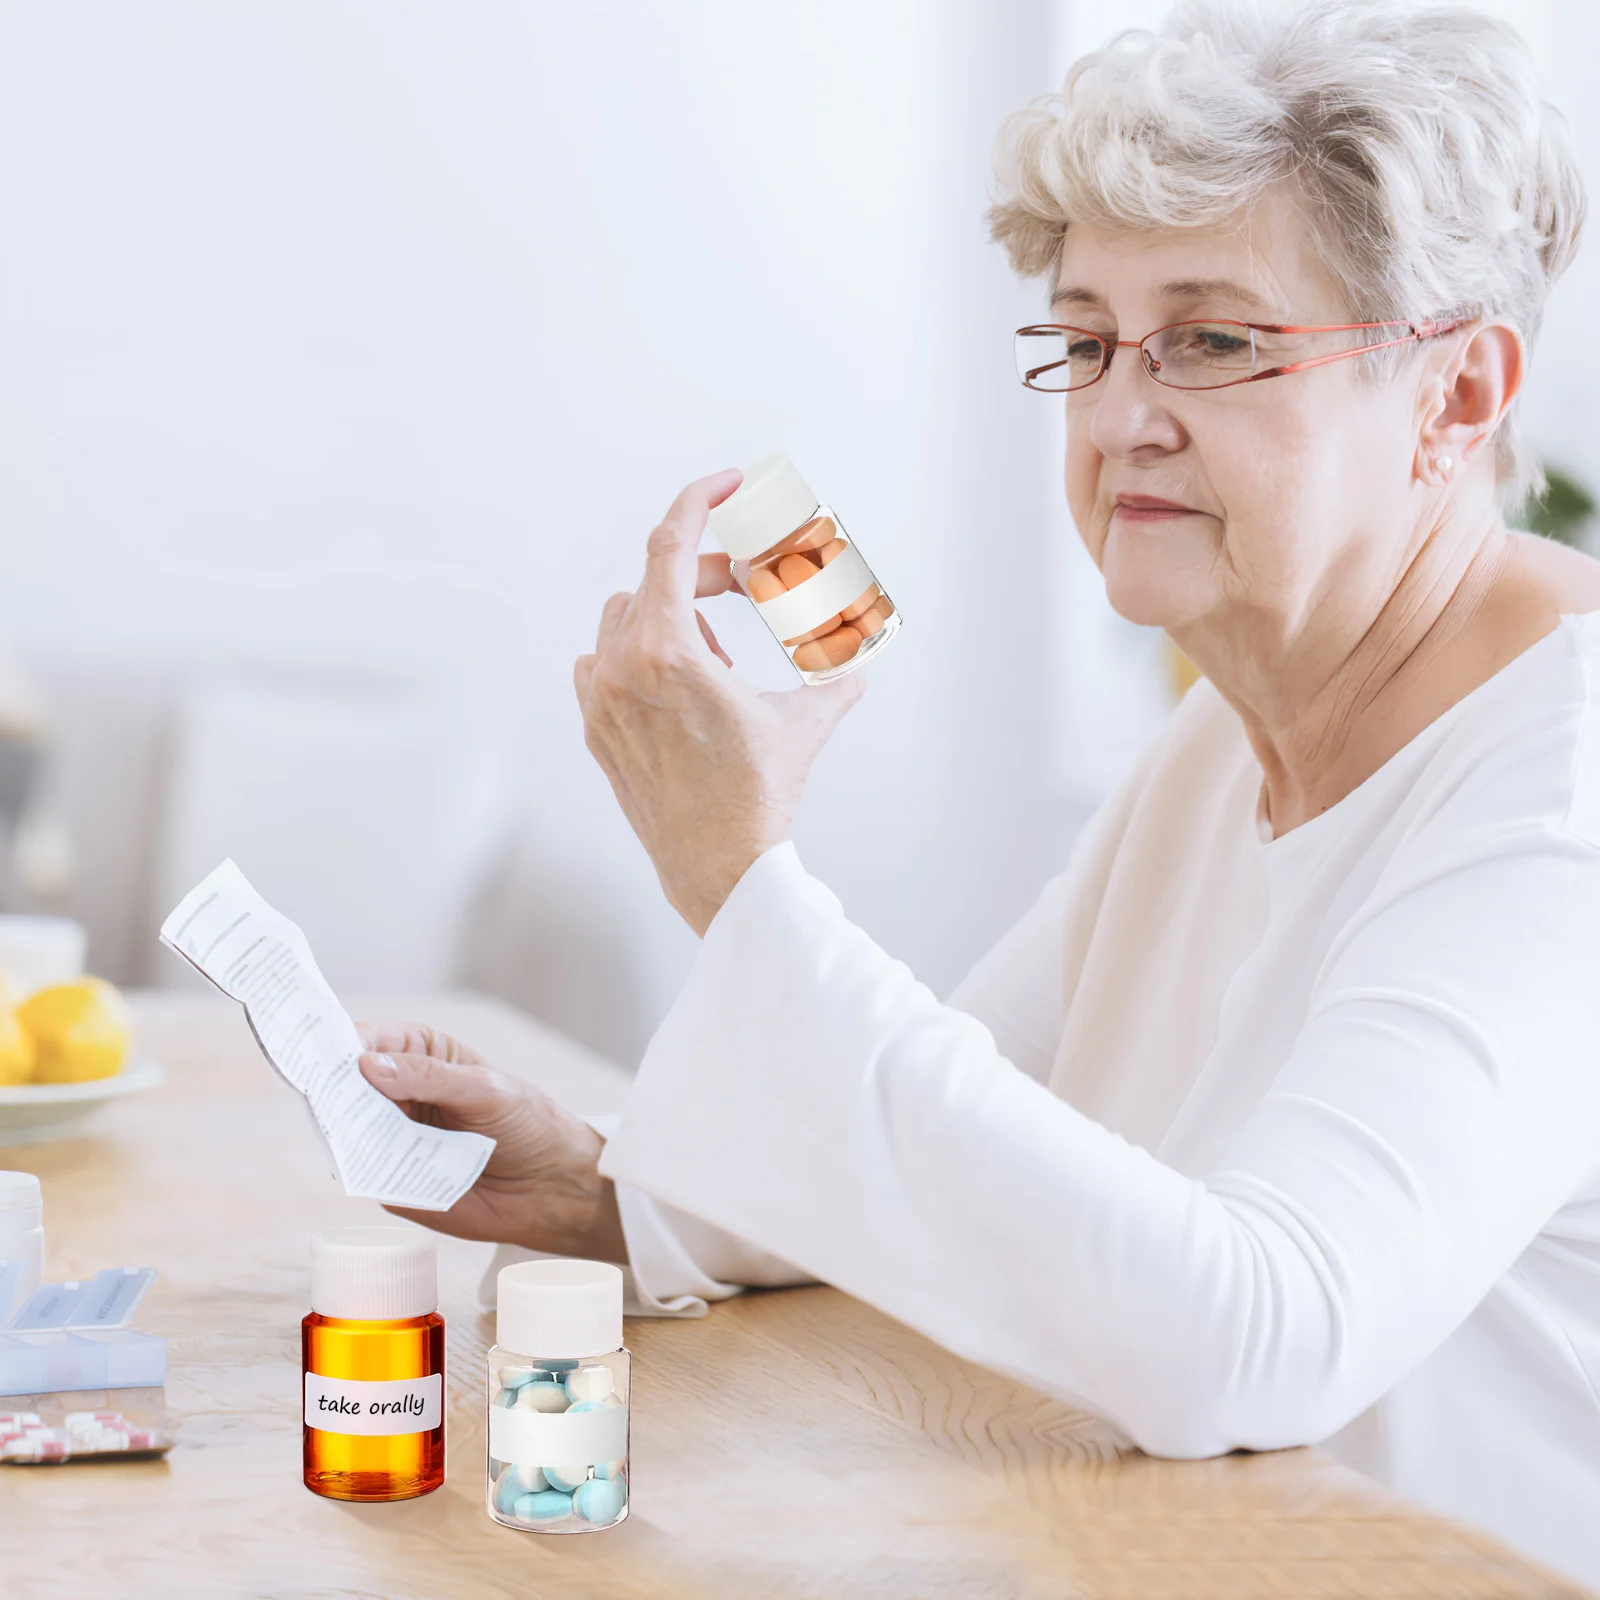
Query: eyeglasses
(1059,359)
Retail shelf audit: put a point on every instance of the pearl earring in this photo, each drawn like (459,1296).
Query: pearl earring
(1443,465)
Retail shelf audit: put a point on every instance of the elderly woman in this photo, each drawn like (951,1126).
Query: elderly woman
(1277,1119)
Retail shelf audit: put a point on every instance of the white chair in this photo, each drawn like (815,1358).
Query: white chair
(367,812)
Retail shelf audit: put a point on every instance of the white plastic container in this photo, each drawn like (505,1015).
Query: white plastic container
(21,1237)
(558,1398)
(802,572)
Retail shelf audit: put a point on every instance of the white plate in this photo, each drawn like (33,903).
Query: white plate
(33,1112)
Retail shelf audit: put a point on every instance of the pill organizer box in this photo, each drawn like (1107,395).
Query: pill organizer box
(71,1336)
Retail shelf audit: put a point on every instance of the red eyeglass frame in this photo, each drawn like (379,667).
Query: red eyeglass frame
(1417,331)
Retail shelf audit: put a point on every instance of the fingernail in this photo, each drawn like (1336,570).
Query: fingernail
(385,1066)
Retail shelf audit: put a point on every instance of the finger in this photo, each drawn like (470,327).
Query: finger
(416,1038)
(711,639)
(466,1091)
(611,615)
(816,710)
(715,575)
(428,1219)
(672,566)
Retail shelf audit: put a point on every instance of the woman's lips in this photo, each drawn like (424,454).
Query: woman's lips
(1149,508)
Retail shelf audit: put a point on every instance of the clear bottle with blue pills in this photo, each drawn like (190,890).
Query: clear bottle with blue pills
(559,1380)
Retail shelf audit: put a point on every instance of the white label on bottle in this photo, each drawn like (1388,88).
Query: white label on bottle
(808,605)
(558,1438)
(352,1405)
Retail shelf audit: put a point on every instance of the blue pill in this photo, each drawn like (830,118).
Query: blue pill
(609,1469)
(600,1499)
(546,1506)
(506,1494)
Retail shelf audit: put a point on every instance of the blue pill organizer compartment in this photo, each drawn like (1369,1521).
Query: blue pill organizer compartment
(38,1363)
(71,1336)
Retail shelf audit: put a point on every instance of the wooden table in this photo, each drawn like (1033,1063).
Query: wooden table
(790,1444)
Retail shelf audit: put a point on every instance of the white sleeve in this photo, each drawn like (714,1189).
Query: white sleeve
(1439,1106)
(1016,990)
(677,1263)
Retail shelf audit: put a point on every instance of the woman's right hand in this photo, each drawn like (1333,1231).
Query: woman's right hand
(540,1188)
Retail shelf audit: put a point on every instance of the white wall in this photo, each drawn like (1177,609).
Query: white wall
(358,337)
(355,339)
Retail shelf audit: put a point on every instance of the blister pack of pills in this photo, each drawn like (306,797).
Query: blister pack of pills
(129,1423)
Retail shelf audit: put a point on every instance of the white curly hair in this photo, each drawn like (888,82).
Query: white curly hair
(1434,177)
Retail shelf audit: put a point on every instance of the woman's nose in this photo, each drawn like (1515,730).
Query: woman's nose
(1129,411)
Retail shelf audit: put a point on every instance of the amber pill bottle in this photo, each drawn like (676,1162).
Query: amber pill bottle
(803,573)
(373,1366)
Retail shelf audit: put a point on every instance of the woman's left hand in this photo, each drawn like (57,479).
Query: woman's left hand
(541,1188)
(708,771)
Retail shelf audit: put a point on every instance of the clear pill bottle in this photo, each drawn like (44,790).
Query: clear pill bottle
(558,1398)
(373,1358)
(21,1237)
(804,575)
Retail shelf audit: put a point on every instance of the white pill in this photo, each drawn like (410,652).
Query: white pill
(515,1377)
(542,1397)
(566,1478)
(590,1383)
(506,1492)
(530,1479)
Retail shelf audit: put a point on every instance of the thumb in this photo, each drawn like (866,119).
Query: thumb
(468,1094)
(812,713)
(672,560)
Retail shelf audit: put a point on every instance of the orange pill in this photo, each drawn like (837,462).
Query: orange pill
(763,585)
(862,604)
(795,569)
(832,650)
(816,532)
(834,547)
(868,623)
(816,633)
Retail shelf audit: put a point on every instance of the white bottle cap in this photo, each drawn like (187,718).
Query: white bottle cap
(559,1308)
(768,506)
(20,1192)
(374,1274)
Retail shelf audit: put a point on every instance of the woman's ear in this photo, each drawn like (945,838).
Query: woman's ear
(1465,399)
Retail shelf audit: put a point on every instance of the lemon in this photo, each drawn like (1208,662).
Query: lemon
(80,1030)
(17,1051)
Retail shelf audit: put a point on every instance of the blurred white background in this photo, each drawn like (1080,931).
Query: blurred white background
(349,349)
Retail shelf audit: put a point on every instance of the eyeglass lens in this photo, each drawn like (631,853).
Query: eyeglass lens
(1191,355)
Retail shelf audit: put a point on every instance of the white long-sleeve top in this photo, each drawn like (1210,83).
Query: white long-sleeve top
(1234,1140)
